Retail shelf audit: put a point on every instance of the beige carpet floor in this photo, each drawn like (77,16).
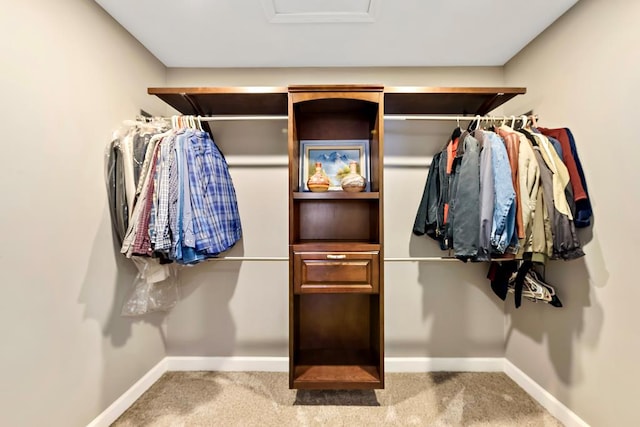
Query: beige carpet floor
(264,399)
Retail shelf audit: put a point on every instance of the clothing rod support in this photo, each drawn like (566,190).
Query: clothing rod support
(452,118)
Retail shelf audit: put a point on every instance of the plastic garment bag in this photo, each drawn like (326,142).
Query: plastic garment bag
(155,288)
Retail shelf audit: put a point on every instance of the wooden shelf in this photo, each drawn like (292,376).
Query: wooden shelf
(270,100)
(214,101)
(446,100)
(335,195)
(336,377)
(336,369)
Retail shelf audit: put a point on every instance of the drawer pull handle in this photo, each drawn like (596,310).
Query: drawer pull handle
(332,256)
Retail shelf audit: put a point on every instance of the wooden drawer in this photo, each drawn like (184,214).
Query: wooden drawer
(335,272)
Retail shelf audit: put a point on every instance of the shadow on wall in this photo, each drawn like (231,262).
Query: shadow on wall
(459,316)
(562,327)
(103,294)
(103,300)
(202,320)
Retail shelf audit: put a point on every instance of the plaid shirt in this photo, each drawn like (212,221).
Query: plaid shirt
(216,219)
(161,240)
(142,243)
(185,243)
(175,200)
(138,228)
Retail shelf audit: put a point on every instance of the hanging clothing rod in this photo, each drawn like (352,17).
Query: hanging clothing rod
(239,118)
(440,118)
(400,259)
(275,258)
(251,258)
(422,259)
(452,118)
(386,117)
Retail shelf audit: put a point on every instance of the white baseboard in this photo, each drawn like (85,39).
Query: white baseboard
(228,364)
(392,364)
(546,399)
(117,408)
(436,364)
(281,364)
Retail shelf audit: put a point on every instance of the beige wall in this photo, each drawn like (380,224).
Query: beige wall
(390,76)
(70,75)
(437,310)
(583,73)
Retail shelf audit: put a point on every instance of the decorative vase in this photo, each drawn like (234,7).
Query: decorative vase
(353,182)
(319,181)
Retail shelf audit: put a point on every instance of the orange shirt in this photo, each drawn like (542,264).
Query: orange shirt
(452,150)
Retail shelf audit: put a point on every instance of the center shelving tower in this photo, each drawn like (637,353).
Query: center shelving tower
(335,247)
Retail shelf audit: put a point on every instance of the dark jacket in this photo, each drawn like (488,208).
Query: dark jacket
(114,175)
(426,221)
(450,204)
(464,210)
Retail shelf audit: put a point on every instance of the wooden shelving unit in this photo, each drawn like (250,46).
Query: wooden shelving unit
(336,242)
(336,287)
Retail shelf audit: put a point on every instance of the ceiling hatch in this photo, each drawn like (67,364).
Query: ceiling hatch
(319,11)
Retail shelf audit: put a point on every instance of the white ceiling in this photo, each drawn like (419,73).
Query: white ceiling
(334,33)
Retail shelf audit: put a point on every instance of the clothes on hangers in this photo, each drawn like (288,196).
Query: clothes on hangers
(512,144)
(454,187)
(557,193)
(519,188)
(188,209)
(504,213)
(465,201)
(507,193)
(124,159)
(528,179)
(583,211)
(428,219)
(487,197)
(116,192)
(521,279)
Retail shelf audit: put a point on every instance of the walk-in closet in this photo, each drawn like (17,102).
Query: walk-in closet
(287,212)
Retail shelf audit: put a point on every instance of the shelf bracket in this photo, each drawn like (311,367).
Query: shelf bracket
(197,110)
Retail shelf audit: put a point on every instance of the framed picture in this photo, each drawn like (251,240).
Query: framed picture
(335,156)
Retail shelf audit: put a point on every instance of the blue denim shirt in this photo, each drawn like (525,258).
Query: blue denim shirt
(504,213)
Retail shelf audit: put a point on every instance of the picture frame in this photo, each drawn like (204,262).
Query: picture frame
(335,156)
